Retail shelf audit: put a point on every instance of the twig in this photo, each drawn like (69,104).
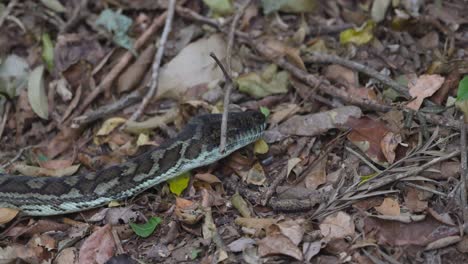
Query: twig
(325,30)
(119,67)
(228,88)
(463,170)
(7,11)
(153,85)
(107,110)
(229,83)
(384,181)
(327,58)
(5,117)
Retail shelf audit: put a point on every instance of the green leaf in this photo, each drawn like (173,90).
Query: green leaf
(267,83)
(194,253)
(36,93)
(48,51)
(146,229)
(178,184)
(118,25)
(14,72)
(220,7)
(366,178)
(358,36)
(462,93)
(265,111)
(290,6)
(55,5)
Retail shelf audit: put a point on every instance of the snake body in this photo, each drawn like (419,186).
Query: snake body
(195,146)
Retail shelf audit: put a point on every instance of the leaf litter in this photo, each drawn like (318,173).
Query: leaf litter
(356,168)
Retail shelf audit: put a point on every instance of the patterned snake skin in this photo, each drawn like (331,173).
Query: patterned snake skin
(195,146)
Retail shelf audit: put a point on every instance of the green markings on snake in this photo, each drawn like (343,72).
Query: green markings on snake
(195,146)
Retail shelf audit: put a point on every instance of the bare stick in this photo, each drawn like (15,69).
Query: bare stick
(463,170)
(119,67)
(153,85)
(107,110)
(5,117)
(227,74)
(327,58)
(7,11)
(228,86)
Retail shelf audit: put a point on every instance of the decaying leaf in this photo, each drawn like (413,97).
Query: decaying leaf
(389,206)
(278,244)
(98,247)
(338,225)
(269,82)
(37,94)
(425,86)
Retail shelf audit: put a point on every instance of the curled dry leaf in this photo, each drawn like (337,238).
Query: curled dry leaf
(315,124)
(425,86)
(278,244)
(7,214)
(37,94)
(338,225)
(292,229)
(98,247)
(256,223)
(256,175)
(187,211)
(389,206)
(367,135)
(109,125)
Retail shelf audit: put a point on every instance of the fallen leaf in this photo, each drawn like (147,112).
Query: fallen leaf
(37,94)
(240,244)
(269,82)
(256,175)
(14,72)
(315,124)
(178,75)
(413,202)
(278,244)
(256,223)
(310,249)
(379,8)
(425,86)
(260,147)
(117,24)
(389,206)
(358,36)
(367,134)
(388,144)
(98,247)
(291,6)
(220,7)
(317,176)
(6,215)
(146,229)
(178,184)
(338,225)
(341,75)
(292,229)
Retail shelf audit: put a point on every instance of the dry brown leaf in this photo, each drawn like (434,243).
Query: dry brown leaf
(342,75)
(389,206)
(256,223)
(7,214)
(388,144)
(67,256)
(256,175)
(425,86)
(317,176)
(135,73)
(367,135)
(37,171)
(278,244)
(98,247)
(273,48)
(413,202)
(315,124)
(283,112)
(338,225)
(292,229)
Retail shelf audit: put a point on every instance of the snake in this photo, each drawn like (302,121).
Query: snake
(196,145)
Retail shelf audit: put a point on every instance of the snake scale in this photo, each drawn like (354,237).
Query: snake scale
(195,146)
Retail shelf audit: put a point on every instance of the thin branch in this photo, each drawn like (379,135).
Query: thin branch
(7,11)
(120,66)
(5,117)
(229,83)
(327,58)
(228,87)
(463,170)
(153,86)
